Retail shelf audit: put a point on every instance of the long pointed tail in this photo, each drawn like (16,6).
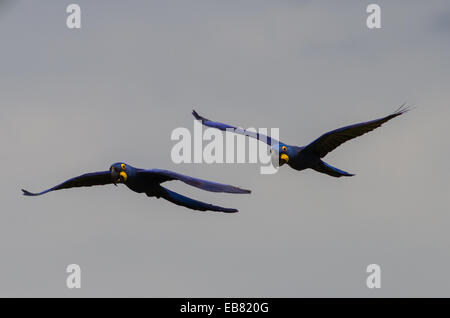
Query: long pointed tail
(324,167)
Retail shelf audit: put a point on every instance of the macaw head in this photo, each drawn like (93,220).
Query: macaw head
(119,172)
(281,154)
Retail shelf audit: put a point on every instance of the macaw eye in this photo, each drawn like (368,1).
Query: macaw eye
(123,166)
(284,148)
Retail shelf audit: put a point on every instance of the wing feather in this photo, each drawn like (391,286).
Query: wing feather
(161,175)
(225,127)
(182,200)
(85,180)
(333,139)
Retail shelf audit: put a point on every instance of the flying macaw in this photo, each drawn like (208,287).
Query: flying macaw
(149,182)
(309,156)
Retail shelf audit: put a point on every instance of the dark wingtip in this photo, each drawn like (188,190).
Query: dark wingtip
(238,190)
(226,210)
(404,108)
(196,115)
(27,193)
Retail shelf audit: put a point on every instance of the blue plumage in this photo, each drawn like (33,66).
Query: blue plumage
(309,156)
(148,182)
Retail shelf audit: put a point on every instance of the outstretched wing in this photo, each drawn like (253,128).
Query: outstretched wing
(179,199)
(85,180)
(160,176)
(224,127)
(333,139)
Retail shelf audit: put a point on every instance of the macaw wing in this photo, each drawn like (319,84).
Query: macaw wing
(85,180)
(333,139)
(224,127)
(179,199)
(160,176)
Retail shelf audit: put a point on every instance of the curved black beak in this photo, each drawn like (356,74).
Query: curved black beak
(115,175)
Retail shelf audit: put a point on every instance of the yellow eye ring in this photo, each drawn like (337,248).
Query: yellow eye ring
(123,166)
(284,148)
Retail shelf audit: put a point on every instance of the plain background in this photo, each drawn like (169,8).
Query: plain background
(74,101)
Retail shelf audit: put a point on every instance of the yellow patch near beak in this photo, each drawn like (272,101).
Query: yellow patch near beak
(123,175)
(284,157)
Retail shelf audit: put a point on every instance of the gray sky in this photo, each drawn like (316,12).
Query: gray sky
(74,101)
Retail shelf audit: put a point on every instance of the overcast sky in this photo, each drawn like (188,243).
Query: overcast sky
(75,101)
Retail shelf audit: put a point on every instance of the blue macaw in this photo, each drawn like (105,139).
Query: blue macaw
(149,182)
(309,156)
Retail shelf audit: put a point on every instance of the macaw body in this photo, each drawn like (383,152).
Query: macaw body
(309,156)
(300,159)
(149,182)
